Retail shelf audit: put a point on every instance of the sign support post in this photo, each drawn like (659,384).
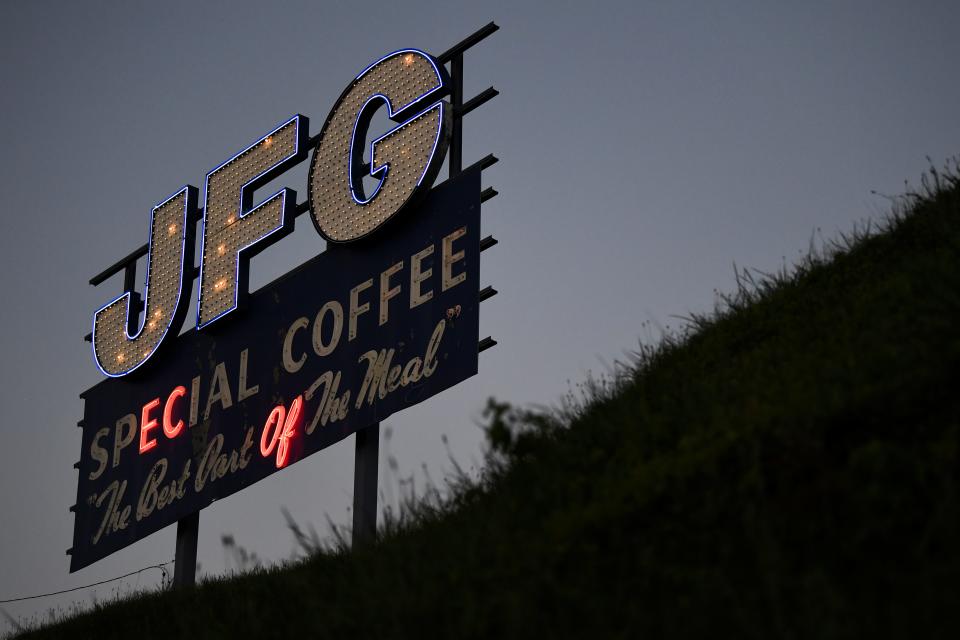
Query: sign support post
(365,462)
(456,101)
(185,560)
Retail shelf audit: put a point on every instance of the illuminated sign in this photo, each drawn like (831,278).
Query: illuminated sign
(385,318)
(409,83)
(405,161)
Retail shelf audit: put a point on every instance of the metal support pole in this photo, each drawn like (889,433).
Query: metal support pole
(185,561)
(365,484)
(129,286)
(130,276)
(456,99)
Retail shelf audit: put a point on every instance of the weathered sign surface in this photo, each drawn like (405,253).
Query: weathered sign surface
(343,341)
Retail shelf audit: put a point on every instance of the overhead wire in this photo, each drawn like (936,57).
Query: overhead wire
(87,586)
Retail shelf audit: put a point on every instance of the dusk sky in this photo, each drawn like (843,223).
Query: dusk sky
(644,149)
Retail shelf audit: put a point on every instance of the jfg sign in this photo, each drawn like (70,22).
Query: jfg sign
(386,317)
(404,161)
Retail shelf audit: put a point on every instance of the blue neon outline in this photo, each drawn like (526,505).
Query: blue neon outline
(283,213)
(401,112)
(426,55)
(146,287)
(386,166)
(353,136)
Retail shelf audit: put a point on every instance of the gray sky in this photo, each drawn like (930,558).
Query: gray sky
(644,148)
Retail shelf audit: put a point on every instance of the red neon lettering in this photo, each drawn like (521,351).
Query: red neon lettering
(171,430)
(280,427)
(146,424)
(289,429)
(268,441)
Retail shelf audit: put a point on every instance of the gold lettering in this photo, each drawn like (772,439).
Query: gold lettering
(289,364)
(194,400)
(417,276)
(119,439)
(244,392)
(331,408)
(203,469)
(221,467)
(386,293)
(114,519)
(98,453)
(162,497)
(216,464)
(381,378)
(383,375)
(356,308)
(393,380)
(430,358)
(325,379)
(181,484)
(234,461)
(148,495)
(449,258)
(245,449)
(411,372)
(219,390)
(326,349)
(376,369)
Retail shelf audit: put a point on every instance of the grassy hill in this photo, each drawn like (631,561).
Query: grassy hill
(787,467)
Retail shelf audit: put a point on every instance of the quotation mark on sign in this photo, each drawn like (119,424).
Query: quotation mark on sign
(454,312)
(281,426)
